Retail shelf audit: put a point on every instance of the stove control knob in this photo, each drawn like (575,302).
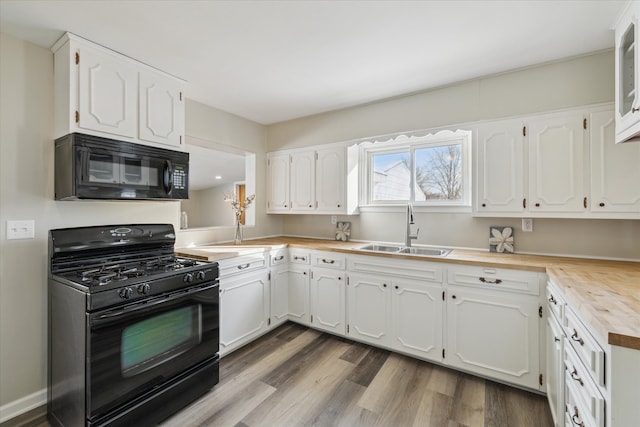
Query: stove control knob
(188,278)
(126,293)
(144,288)
(200,275)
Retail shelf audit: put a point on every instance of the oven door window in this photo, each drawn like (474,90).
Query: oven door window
(134,348)
(156,340)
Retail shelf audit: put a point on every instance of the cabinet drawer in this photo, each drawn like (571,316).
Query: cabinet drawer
(278,257)
(421,270)
(585,346)
(297,256)
(242,264)
(585,403)
(555,302)
(496,279)
(329,260)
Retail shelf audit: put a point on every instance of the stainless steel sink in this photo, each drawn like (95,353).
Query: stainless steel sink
(375,247)
(425,251)
(399,249)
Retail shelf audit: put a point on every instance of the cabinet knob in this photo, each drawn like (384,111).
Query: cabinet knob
(384,285)
(310,206)
(453,297)
(285,206)
(635,110)
(537,205)
(601,204)
(484,205)
(397,287)
(338,204)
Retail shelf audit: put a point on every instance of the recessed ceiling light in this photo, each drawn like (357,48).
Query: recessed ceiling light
(218,177)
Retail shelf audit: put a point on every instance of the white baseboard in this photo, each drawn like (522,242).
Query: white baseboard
(22,405)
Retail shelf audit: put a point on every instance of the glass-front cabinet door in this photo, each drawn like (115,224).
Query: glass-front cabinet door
(627,68)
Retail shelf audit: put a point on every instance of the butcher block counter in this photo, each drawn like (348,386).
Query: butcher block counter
(605,293)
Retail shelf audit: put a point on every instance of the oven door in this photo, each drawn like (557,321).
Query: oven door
(135,348)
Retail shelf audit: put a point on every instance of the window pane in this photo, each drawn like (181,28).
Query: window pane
(439,173)
(391,176)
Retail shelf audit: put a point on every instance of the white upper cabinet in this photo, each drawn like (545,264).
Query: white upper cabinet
(313,180)
(556,163)
(627,79)
(107,93)
(302,181)
(161,109)
(103,93)
(500,167)
(615,169)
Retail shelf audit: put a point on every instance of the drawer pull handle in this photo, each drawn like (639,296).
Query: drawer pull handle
(279,258)
(328,261)
(576,338)
(575,377)
(242,267)
(494,282)
(552,300)
(576,415)
(556,339)
(301,258)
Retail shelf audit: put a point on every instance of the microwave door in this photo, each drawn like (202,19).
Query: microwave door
(102,168)
(145,175)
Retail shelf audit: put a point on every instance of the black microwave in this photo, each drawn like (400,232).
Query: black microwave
(91,167)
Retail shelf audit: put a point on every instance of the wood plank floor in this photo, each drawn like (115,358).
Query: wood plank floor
(295,376)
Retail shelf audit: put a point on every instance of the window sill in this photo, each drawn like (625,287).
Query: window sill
(416,208)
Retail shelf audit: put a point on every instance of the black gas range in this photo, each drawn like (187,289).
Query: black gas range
(134,329)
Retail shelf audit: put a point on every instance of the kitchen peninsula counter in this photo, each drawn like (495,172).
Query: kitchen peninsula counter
(605,293)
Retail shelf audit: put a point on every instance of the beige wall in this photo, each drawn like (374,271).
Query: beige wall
(574,82)
(26,192)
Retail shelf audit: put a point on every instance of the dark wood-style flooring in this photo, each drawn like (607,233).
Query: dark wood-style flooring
(295,376)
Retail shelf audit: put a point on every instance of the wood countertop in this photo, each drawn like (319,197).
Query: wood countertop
(606,294)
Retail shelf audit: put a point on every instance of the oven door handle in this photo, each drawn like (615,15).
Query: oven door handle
(108,316)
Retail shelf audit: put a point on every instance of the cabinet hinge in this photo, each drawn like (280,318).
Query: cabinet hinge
(442,295)
(312,318)
(347,280)
(180,96)
(77,58)
(540,311)
(269,321)
(77,117)
(311,277)
(584,203)
(269,276)
(316,205)
(316,155)
(540,379)
(584,123)
(524,131)
(180,139)
(347,328)
(524,203)
(290,159)
(443,353)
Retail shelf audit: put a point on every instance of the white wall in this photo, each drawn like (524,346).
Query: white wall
(27,192)
(573,82)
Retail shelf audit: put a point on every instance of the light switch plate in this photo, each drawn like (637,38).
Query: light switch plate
(24,229)
(527,224)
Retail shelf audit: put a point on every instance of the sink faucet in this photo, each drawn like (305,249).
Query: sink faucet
(410,221)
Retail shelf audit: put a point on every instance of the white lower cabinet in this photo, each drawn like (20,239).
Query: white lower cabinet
(327,300)
(555,369)
(298,294)
(416,318)
(279,295)
(495,334)
(369,308)
(244,309)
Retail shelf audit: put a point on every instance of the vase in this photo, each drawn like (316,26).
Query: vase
(238,236)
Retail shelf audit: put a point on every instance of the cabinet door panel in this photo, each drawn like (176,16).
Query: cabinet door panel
(556,164)
(369,308)
(161,110)
(330,180)
(244,309)
(279,295)
(615,169)
(108,93)
(299,296)
(417,318)
(494,335)
(327,300)
(303,181)
(500,168)
(278,183)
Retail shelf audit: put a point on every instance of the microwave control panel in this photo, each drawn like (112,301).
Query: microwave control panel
(179,178)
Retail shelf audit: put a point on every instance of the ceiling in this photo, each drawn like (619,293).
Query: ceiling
(271,61)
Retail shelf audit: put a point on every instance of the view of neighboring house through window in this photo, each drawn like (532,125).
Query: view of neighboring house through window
(429,170)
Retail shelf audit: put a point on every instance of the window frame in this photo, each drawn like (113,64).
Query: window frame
(410,144)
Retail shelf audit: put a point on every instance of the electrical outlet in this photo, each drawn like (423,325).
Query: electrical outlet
(527,224)
(334,219)
(24,229)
